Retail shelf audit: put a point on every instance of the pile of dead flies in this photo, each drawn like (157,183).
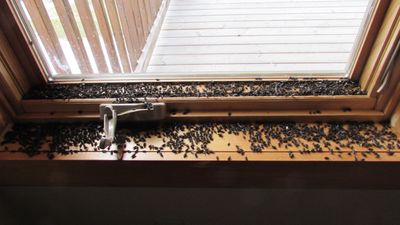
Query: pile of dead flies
(131,92)
(195,138)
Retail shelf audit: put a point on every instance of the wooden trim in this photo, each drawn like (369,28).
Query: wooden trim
(25,54)
(395,119)
(10,85)
(300,116)
(385,43)
(4,122)
(300,108)
(391,104)
(252,157)
(215,103)
(7,107)
(7,114)
(390,95)
(189,77)
(10,88)
(10,61)
(368,37)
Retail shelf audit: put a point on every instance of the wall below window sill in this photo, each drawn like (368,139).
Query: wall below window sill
(326,175)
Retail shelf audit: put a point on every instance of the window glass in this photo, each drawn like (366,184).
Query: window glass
(87,37)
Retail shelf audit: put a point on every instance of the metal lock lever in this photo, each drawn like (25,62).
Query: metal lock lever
(134,112)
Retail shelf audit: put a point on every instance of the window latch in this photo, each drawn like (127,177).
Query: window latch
(132,112)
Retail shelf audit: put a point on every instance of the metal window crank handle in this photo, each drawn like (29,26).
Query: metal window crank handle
(134,112)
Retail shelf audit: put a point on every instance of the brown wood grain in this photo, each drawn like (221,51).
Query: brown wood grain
(8,57)
(92,35)
(366,42)
(12,82)
(136,37)
(223,148)
(383,48)
(138,22)
(395,119)
(389,98)
(118,35)
(143,16)
(106,33)
(215,103)
(71,29)
(129,34)
(6,113)
(148,14)
(271,168)
(25,55)
(293,116)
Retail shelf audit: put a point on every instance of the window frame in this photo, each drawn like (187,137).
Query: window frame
(367,70)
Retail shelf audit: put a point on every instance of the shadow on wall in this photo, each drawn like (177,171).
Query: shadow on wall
(191,206)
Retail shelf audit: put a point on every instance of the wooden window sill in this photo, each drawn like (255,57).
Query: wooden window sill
(225,168)
(224,146)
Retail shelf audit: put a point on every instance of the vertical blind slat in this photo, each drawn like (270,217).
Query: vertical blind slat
(91,34)
(123,6)
(148,13)
(138,22)
(106,33)
(137,38)
(74,37)
(153,9)
(53,35)
(47,34)
(142,12)
(118,35)
(116,32)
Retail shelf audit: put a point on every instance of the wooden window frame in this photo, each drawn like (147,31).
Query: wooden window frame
(21,70)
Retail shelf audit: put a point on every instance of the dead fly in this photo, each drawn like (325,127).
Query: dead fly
(240,150)
(131,92)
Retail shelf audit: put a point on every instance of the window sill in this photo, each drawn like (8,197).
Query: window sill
(243,142)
